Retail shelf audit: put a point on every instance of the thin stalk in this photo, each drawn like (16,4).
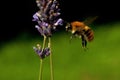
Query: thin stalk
(41,69)
(41,60)
(51,62)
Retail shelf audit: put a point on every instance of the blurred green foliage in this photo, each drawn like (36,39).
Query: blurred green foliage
(101,61)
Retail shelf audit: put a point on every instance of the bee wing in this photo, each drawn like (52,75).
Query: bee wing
(89,20)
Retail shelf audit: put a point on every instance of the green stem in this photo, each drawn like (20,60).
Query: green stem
(51,62)
(41,60)
(44,42)
(41,68)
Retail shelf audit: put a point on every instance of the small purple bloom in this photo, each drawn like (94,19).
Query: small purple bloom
(47,51)
(54,4)
(59,22)
(42,53)
(39,29)
(44,24)
(38,51)
(35,17)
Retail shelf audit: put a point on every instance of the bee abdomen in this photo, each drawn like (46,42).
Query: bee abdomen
(89,34)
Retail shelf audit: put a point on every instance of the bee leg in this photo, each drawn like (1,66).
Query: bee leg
(84,42)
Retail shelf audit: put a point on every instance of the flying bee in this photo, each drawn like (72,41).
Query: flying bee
(82,30)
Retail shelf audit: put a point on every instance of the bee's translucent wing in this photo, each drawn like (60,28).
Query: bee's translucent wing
(89,20)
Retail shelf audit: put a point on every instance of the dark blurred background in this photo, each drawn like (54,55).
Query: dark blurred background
(16,16)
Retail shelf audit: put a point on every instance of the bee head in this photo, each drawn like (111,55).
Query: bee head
(68,27)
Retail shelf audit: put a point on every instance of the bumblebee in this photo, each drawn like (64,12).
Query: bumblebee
(80,29)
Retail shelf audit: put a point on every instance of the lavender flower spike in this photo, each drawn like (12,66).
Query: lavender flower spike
(47,17)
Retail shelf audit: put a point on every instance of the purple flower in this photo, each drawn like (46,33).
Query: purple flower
(44,30)
(38,51)
(47,17)
(47,51)
(59,22)
(42,53)
(35,17)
